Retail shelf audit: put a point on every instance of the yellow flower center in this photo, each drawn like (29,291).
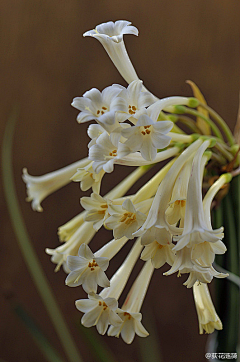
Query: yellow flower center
(113,153)
(103,304)
(146,130)
(127,315)
(132,109)
(101,111)
(180,202)
(128,218)
(92,265)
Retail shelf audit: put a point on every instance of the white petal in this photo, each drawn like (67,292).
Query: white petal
(89,319)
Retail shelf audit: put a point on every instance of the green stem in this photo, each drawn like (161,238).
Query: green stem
(224,152)
(221,122)
(27,249)
(214,128)
(187,121)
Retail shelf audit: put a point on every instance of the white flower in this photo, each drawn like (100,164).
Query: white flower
(39,187)
(97,208)
(98,312)
(130,311)
(196,229)
(147,136)
(83,234)
(124,220)
(131,325)
(87,270)
(176,208)
(136,159)
(184,263)
(101,310)
(68,229)
(103,153)
(111,37)
(98,106)
(94,131)
(159,254)
(88,178)
(133,100)
(157,214)
(207,316)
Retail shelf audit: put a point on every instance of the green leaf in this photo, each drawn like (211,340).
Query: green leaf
(27,250)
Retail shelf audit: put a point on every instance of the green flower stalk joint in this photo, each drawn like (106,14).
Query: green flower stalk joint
(170,215)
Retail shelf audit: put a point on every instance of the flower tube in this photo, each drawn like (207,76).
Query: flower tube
(110,36)
(130,311)
(207,317)
(39,187)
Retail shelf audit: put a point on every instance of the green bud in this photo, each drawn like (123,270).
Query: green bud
(227,176)
(234,149)
(212,140)
(172,118)
(195,136)
(208,154)
(193,102)
(179,109)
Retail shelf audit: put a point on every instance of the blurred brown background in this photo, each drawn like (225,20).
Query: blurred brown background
(45,62)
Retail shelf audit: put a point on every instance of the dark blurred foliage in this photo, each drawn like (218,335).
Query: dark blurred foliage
(45,62)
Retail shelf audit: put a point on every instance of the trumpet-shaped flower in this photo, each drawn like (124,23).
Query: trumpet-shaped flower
(207,316)
(39,187)
(103,153)
(130,311)
(88,178)
(97,209)
(184,263)
(158,254)
(98,106)
(157,214)
(124,220)
(66,230)
(196,229)
(87,270)
(83,234)
(94,131)
(110,36)
(98,312)
(147,136)
(131,325)
(133,100)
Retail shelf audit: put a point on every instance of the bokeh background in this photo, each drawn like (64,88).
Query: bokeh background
(45,62)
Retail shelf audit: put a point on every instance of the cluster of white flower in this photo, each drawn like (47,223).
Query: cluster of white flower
(168,215)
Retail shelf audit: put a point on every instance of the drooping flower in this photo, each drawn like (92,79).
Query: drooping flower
(88,178)
(158,254)
(87,270)
(157,214)
(83,234)
(198,272)
(103,153)
(98,312)
(97,209)
(124,219)
(207,317)
(196,229)
(130,311)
